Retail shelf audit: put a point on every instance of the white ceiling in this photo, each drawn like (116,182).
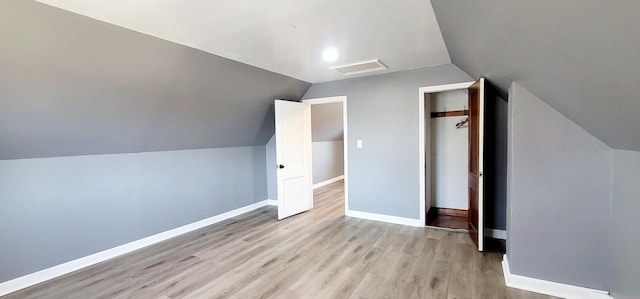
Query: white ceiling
(285,36)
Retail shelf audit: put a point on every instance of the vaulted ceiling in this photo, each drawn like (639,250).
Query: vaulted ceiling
(96,77)
(580,56)
(70,85)
(285,36)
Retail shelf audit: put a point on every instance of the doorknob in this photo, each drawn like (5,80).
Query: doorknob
(280,166)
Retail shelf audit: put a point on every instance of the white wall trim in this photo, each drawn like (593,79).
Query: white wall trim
(384,218)
(549,287)
(327,100)
(28,280)
(446,87)
(272,202)
(495,233)
(345,139)
(421,137)
(327,182)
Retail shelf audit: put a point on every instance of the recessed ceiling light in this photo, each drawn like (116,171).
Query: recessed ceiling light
(330,54)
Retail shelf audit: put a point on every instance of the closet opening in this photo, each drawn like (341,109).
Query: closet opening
(447,158)
(462,131)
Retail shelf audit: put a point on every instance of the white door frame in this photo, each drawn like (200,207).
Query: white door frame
(345,142)
(421,136)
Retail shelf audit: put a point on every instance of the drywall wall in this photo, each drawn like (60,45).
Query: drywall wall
(59,209)
(495,158)
(573,54)
(271,166)
(559,210)
(328,160)
(327,135)
(383,113)
(326,122)
(625,237)
(70,85)
(449,152)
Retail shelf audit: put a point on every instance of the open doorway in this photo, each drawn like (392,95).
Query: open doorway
(289,158)
(475,160)
(442,129)
(447,135)
(329,151)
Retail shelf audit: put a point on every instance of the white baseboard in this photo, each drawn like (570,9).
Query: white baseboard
(272,202)
(384,218)
(327,182)
(495,233)
(549,287)
(28,280)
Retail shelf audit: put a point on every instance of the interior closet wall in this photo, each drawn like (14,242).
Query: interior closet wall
(495,158)
(449,151)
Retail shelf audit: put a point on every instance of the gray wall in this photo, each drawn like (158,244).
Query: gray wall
(326,122)
(383,113)
(327,147)
(328,160)
(448,151)
(559,201)
(70,85)
(58,209)
(625,237)
(495,159)
(582,57)
(272,184)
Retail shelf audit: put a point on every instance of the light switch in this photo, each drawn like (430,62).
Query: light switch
(359,144)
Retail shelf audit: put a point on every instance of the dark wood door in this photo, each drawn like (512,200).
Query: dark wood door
(475,163)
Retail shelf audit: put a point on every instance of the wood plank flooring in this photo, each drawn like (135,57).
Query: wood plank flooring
(446,221)
(317,254)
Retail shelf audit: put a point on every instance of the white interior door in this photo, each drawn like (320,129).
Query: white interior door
(293,157)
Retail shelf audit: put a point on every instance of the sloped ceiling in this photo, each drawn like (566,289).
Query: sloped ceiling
(285,36)
(70,85)
(326,122)
(581,56)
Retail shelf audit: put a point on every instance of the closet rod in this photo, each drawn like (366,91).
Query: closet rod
(449,113)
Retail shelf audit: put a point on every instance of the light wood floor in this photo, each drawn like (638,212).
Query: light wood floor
(317,254)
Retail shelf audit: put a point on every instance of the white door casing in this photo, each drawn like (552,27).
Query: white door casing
(293,156)
(483,92)
(423,149)
(345,138)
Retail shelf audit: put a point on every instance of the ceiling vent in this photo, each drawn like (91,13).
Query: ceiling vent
(360,67)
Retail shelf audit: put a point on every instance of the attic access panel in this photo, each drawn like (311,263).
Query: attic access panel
(360,67)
